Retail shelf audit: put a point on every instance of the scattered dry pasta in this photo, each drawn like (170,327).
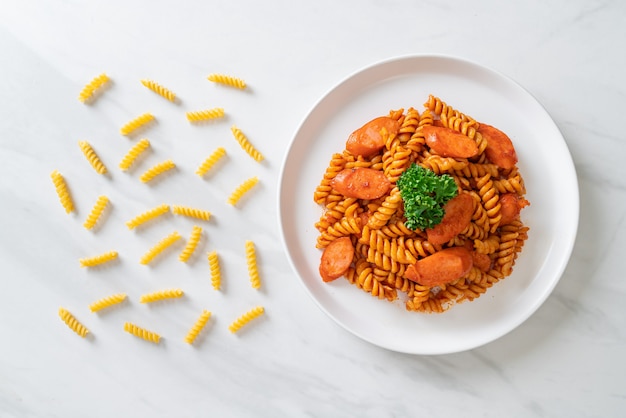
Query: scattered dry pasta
(157,170)
(198,326)
(246,318)
(136,124)
(253,269)
(133,154)
(161,295)
(91,90)
(92,157)
(204,215)
(216,273)
(62,191)
(159,89)
(227,80)
(192,243)
(210,161)
(242,189)
(246,145)
(148,215)
(159,247)
(98,259)
(107,302)
(142,333)
(73,323)
(96,212)
(205,115)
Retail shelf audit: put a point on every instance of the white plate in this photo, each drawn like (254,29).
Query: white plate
(545,164)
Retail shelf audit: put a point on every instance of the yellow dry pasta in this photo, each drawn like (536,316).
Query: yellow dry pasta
(62,191)
(227,80)
(161,295)
(159,89)
(96,212)
(253,270)
(210,161)
(204,115)
(134,125)
(98,259)
(92,157)
(190,212)
(148,215)
(107,302)
(133,154)
(89,93)
(245,144)
(142,333)
(198,326)
(216,273)
(159,247)
(157,170)
(242,189)
(246,318)
(192,243)
(73,323)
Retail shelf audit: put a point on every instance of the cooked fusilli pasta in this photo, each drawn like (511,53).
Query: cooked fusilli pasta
(96,212)
(107,302)
(190,212)
(161,295)
(246,318)
(89,93)
(159,89)
(140,122)
(71,321)
(157,170)
(216,273)
(62,191)
(198,326)
(253,268)
(205,115)
(159,247)
(92,157)
(227,80)
(133,154)
(142,333)
(148,215)
(242,189)
(98,259)
(246,145)
(192,243)
(210,161)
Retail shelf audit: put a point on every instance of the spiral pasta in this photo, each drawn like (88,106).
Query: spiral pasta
(140,122)
(198,326)
(96,212)
(157,170)
(205,115)
(246,145)
(227,80)
(216,273)
(98,259)
(92,157)
(241,190)
(159,89)
(134,153)
(92,89)
(192,243)
(161,295)
(210,161)
(148,215)
(190,212)
(142,333)
(253,269)
(73,323)
(246,318)
(159,247)
(107,302)
(63,191)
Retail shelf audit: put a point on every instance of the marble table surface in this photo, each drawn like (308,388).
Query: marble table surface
(567,359)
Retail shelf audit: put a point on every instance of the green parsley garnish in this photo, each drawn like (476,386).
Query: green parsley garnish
(424,193)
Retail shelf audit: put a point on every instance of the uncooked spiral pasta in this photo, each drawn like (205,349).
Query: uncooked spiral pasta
(136,124)
(161,295)
(190,212)
(198,326)
(159,247)
(216,273)
(148,215)
(242,189)
(142,333)
(157,170)
(107,302)
(73,323)
(63,191)
(253,269)
(98,259)
(227,80)
(91,90)
(96,212)
(246,318)
(210,161)
(134,153)
(192,243)
(205,115)
(92,157)
(159,89)
(246,145)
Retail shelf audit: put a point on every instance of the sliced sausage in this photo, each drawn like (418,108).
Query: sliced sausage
(449,143)
(500,150)
(361,183)
(336,259)
(367,140)
(458,214)
(511,206)
(443,267)
(481,261)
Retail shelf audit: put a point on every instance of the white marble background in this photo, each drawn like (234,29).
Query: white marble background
(566,360)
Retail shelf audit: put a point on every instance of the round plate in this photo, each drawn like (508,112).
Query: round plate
(544,162)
